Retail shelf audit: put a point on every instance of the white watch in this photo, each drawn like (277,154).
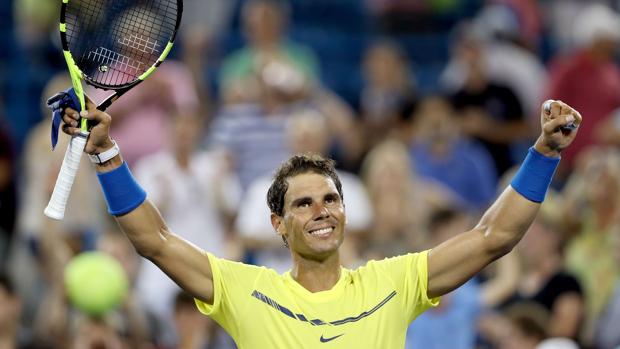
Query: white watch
(106,155)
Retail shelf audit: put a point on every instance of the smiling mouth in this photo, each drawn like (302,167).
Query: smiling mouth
(320,232)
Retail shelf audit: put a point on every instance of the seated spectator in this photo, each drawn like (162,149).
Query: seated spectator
(8,194)
(528,326)
(588,78)
(252,128)
(487,111)
(607,334)
(194,189)
(441,153)
(592,206)
(402,202)
(389,91)
(194,330)
(453,323)
(544,280)
(497,30)
(170,90)
(264,25)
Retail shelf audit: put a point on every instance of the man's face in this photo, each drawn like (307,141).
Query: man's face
(313,219)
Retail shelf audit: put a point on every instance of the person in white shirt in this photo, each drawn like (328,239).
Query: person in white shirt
(196,193)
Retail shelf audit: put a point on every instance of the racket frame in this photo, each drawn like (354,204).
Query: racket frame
(57,204)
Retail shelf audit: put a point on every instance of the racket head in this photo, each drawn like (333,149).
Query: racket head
(116,44)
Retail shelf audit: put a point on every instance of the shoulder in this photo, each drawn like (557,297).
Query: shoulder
(393,265)
(240,273)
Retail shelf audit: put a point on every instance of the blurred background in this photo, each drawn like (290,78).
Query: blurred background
(426,105)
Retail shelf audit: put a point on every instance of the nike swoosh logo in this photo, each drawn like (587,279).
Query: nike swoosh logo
(325,340)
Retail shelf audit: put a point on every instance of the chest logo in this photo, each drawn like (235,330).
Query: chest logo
(329,339)
(318,322)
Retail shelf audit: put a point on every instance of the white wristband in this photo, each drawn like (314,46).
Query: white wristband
(106,155)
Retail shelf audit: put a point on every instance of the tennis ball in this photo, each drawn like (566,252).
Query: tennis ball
(95,283)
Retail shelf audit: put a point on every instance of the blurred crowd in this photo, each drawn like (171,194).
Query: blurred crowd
(426,105)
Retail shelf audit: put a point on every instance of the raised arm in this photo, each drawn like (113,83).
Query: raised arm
(139,219)
(502,226)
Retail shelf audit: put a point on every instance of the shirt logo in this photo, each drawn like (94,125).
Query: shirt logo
(318,322)
(328,339)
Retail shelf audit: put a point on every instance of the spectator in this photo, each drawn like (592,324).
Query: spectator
(440,152)
(196,331)
(264,25)
(498,31)
(488,111)
(528,323)
(607,132)
(194,189)
(544,280)
(252,129)
(453,323)
(389,92)
(204,24)
(139,326)
(401,201)
(607,336)
(143,130)
(8,194)
(591,196)
(41,170)
(29,260)
(588,78)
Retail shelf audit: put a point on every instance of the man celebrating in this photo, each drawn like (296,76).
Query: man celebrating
(318,302)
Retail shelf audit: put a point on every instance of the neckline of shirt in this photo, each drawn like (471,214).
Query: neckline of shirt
(321,296)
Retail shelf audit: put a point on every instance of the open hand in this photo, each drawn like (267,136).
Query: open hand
(555,118)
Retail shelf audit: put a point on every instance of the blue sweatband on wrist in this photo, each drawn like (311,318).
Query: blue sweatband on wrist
(122,193)
(533,178)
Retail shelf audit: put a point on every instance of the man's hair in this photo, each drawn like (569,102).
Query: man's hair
(299,164)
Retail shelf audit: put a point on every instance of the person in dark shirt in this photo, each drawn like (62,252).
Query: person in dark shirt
(489,112)
(8,196)
(545,282)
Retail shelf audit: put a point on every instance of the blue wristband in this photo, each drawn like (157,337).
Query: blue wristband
(122,193)
(533,178)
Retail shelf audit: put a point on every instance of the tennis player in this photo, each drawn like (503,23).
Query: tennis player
(318,303)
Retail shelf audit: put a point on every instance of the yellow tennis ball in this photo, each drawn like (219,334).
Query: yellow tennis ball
(95,283)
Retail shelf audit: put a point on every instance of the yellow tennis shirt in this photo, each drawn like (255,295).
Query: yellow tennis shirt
(370,307)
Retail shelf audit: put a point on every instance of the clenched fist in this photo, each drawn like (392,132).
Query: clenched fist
(560,124)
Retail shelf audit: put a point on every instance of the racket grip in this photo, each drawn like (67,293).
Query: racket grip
(56,207)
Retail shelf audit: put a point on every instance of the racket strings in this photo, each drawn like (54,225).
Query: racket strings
(118,40)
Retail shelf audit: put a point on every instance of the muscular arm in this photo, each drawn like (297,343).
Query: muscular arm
(183,262)
(455,261)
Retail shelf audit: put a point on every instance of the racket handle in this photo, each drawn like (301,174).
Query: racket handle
(56,207)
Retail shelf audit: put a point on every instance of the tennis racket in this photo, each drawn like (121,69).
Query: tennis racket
(112,45)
